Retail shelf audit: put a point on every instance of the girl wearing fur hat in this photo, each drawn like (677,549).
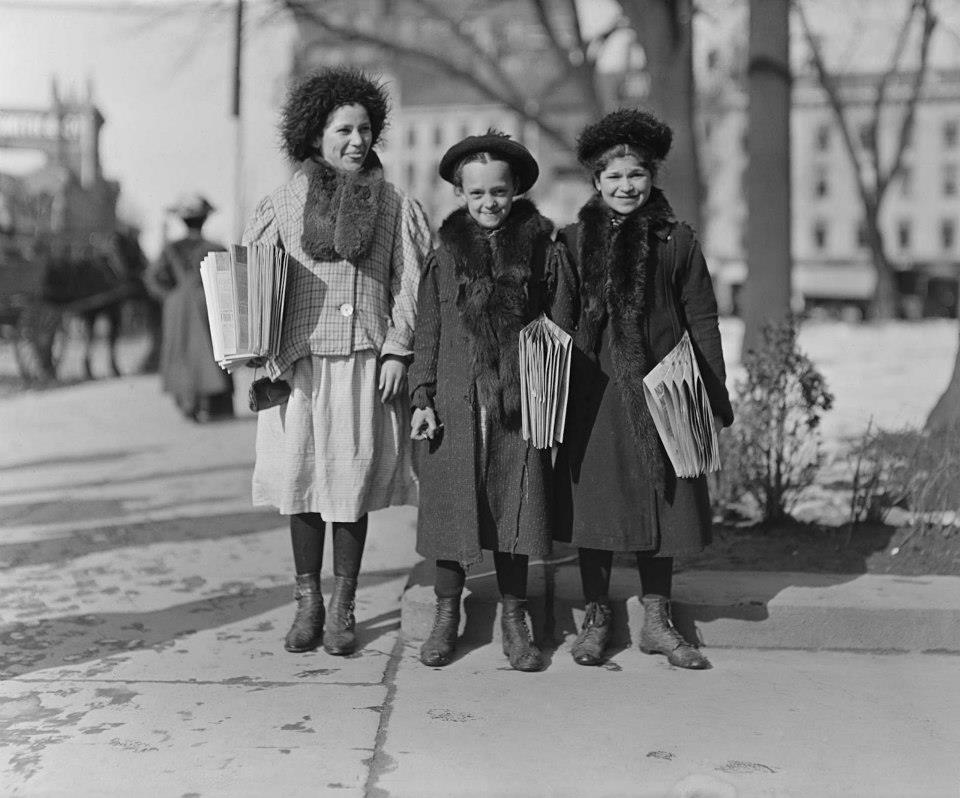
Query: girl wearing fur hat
(643,280)
(338,448)
(482,486)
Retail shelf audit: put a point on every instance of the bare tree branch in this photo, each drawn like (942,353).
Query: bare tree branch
(434,10)
(304,10)
(906,124)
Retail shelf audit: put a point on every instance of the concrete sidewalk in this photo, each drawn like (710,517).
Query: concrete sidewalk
(143,604)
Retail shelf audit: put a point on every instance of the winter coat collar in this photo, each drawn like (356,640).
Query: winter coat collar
(496,297)
(617,262)
(340,212)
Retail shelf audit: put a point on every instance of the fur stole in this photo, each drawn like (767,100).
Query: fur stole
(499,275)
(616,264)
(340,214)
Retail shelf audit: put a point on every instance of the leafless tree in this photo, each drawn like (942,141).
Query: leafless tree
(875,173)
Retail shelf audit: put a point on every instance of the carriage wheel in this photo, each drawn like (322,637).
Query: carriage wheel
(40,341)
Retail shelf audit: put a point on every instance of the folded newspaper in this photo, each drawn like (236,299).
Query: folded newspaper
(678,402)
(545,355)
(245,289)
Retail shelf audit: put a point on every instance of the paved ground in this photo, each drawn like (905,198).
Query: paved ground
(143,603)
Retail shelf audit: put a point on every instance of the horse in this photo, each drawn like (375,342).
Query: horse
(102,280)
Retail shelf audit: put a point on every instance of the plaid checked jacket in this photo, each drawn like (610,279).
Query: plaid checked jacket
(339,307)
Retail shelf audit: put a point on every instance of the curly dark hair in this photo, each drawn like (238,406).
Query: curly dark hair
(313,98)
(639,130)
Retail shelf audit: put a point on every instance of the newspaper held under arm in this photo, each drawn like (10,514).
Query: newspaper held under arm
(545,355)
(245,289)
(677,399)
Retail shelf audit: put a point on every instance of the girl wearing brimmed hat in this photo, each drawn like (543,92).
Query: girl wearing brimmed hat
(339,447)
(188,371)
(482,486)
(643,280)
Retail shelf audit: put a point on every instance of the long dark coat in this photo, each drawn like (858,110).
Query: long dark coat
(188,370)
(643,280)
(477,292)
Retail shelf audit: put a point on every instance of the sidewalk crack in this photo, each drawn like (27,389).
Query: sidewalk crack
(380,761)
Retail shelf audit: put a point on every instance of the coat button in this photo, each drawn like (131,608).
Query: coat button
(346,309)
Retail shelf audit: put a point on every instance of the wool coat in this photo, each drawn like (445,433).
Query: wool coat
(643,281)
(481,485)
(188,370)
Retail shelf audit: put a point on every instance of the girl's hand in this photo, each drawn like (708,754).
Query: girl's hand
(392,371)
(423,425)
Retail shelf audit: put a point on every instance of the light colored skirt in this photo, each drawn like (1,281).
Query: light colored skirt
(334,448)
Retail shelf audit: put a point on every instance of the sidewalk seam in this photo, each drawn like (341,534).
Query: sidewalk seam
(379,762)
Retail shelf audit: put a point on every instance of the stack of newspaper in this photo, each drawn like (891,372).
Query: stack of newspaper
(245,289)
(545,355)
(678,402)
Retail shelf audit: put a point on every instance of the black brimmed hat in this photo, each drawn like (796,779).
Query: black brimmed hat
(522,163)
(315,97)
(631,126)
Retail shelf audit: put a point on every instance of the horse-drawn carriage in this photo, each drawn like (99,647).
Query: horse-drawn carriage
(52,274)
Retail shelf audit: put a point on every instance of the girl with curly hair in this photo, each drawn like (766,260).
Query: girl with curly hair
(337,448)
(643,280)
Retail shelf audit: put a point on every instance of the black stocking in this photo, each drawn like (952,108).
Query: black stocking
(349,538)
(450,579)
(511,574)
(656,574)
(306,535)
(595,567)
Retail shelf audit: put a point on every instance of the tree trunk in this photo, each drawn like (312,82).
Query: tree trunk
(946,412)
(768,287)
(664,30)
(884,302)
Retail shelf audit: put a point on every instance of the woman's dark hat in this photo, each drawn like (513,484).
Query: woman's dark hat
(522,163)
(631,126)
(315,97)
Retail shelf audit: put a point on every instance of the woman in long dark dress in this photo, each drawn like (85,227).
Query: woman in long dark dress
(643,280)
(188,371)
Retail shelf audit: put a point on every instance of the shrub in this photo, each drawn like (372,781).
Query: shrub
(907,468)
(773,452)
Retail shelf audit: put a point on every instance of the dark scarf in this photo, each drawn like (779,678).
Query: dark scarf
(616,264)
(499,275)
(340,214)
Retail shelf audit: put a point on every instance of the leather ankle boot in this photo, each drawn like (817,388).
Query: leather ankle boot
(594,634)
(517,645)
(659,636)
(339,637)
(438,649)
(307,629)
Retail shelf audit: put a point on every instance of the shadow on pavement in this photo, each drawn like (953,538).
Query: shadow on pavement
(82,641)
(79,459)
(174,530)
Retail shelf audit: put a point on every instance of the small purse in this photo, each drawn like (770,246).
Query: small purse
(266,393)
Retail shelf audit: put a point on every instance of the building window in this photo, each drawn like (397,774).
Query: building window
(865,132)
(821,186)
(437,136)
(950,180)
(411,174)
(862,234)
(903,233)
(906,181)
(713,59)
(823,137)
(948,233)
(820,234)
(951,134)
(411,136)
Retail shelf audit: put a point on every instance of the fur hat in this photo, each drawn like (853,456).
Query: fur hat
(192,206)
(522,163)
(625,126)
(316,96)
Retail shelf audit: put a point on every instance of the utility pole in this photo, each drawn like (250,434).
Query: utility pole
(239,206)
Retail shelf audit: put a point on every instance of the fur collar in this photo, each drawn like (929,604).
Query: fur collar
(340,213)
(499,275)
(616,265)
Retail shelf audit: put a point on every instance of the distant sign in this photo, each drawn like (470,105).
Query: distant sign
(24,126)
